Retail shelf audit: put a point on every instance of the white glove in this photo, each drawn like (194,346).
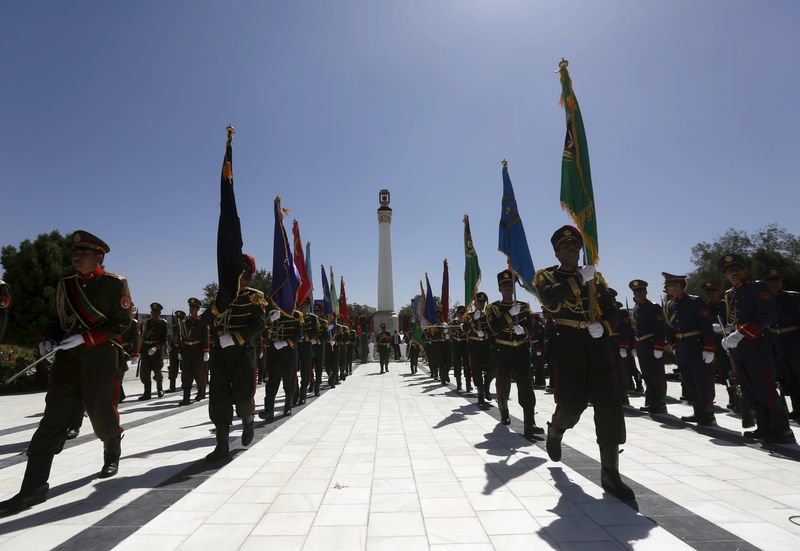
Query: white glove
(595,328)
(45,347)
(226,340)
(518,330)
(732,341)
(70,342)
(657,354)
(514,310)
(480,333)
(314,341)
(587,273)
(729,329)
(180,358)
(274,315)
(260,355)
(476,314)
(279,344)
(538,353)
(633,351)
(708,357)
(151,350)
(206,356)
(623,353)
(717,328)
(135,358)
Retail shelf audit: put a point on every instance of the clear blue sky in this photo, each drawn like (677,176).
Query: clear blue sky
(113,120)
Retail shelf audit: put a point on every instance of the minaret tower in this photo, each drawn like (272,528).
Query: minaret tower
(385,313)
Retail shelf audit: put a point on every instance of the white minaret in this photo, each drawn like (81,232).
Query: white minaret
(385,313)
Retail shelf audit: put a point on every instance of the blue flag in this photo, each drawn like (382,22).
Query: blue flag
(308,269)
(326,293)
(430,304)
(513,242)
(285,280)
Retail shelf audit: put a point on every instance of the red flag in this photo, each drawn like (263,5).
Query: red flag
(371,327)
(445,293)
(343,303)
(300,264)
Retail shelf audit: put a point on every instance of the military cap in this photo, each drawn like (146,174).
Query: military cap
(618,304)
(771,273)
(505,275)
(711,286)
(612,292)
(566,233)
(480,295)
(461,308)
(85,240)
(156,306)
(194,302)
(180,313)
(731,259)
(248,265)
(637,284)
(672,278)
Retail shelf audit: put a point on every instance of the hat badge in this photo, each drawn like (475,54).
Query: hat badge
(773,272)
(567,233)
(729,258)
(76,237)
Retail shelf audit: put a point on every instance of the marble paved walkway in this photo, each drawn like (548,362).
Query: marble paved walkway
(397,461)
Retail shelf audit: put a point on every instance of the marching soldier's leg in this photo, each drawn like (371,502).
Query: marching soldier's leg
(174,367)
(188,369)
(571,392)
(289,361)
(476,367)
(158,376)
(75,423)
(220,407)
(489,370)
(201,379)
(505,368)
(318,358)
(760,369)
(144,375)
(523,374)
(274,367)
(465,366)
(243,390)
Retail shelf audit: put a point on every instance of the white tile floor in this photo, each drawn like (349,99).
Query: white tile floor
(396,462)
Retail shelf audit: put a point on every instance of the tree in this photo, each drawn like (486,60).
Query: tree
(770,247)
(33,271)
(262,280)
(356,310)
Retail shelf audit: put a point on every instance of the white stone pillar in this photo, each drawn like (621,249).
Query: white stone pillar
(385,313)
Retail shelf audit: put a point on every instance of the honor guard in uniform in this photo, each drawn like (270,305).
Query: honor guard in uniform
(722,364)
(175,345)
(287,330)
(318,348)
(232,361)
(195,353)
(304,350)
(430,353)
(94,310)
(648,326)
(154,337)
(690,335)
(384,341)
(414,349)
(5,304)
(458,349)
(342,344)
(614,348)
(584,313)
(331,365)
(751,311)
(509,321)
(478,348)
(786,334)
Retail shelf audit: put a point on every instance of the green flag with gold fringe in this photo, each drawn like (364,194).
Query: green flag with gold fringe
(577,195)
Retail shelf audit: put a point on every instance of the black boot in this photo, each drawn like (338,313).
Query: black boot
(481,400)
(316,389)
(269,410)
(486,393)
(247,431)
(531,429)
(73,433)
(458,384)
(112,449)
(34,486)
(222,450)
(187,393)
(609,475)
(505,417)
(554,437)
(201,393)
(146,394)
(287,410)
(171,386)
(159,389)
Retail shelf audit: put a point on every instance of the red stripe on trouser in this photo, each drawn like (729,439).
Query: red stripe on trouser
(771,394)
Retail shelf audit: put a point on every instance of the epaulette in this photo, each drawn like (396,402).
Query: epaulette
(115,276)
(541,274)
(257,297)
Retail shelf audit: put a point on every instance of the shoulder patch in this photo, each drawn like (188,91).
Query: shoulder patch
(111,274)
(5,302)
(125,303)
(764,295)
(704,312)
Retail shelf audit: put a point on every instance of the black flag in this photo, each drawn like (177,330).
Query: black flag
(229,234)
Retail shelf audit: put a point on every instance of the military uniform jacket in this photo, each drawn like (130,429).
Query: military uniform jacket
(458,332)
(625,330)
(718,311)
(324,333)
(154,332)
(132,339)
(787,310)
(501,322)
(311,328)
(243,319)
(751,309)
(96,306)
(689,319)
(477,329)
(178,333)
(195,333)
(288,328)
(648,323)
(384,339)
(563,295)
(537,337)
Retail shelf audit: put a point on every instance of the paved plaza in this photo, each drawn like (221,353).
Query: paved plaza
(399,462)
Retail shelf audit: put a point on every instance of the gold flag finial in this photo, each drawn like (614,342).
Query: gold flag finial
(230,130)
(505,164)
(561,65)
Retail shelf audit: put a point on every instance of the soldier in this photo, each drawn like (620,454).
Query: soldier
(287,330)
(175,346)
(751,310)
(623,356)
(430,351)
(131,342)
(154,335)
(615,349)
(722,364)
(786,334)
(648,326)
(331,359)
(384,341)
(413,355)
(478,348)
(5,304)
(318,348)
(94,309)
(584,314)
(195,353)
(232,361)
(689,332)
(458,348)
(342,347)
(304,349)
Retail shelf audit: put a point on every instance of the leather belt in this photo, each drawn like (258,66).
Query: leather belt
(644,337)
(687,334)
(479,339)
(191,343)
(572,323)
(151,342)
(782,330)
(510,343)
